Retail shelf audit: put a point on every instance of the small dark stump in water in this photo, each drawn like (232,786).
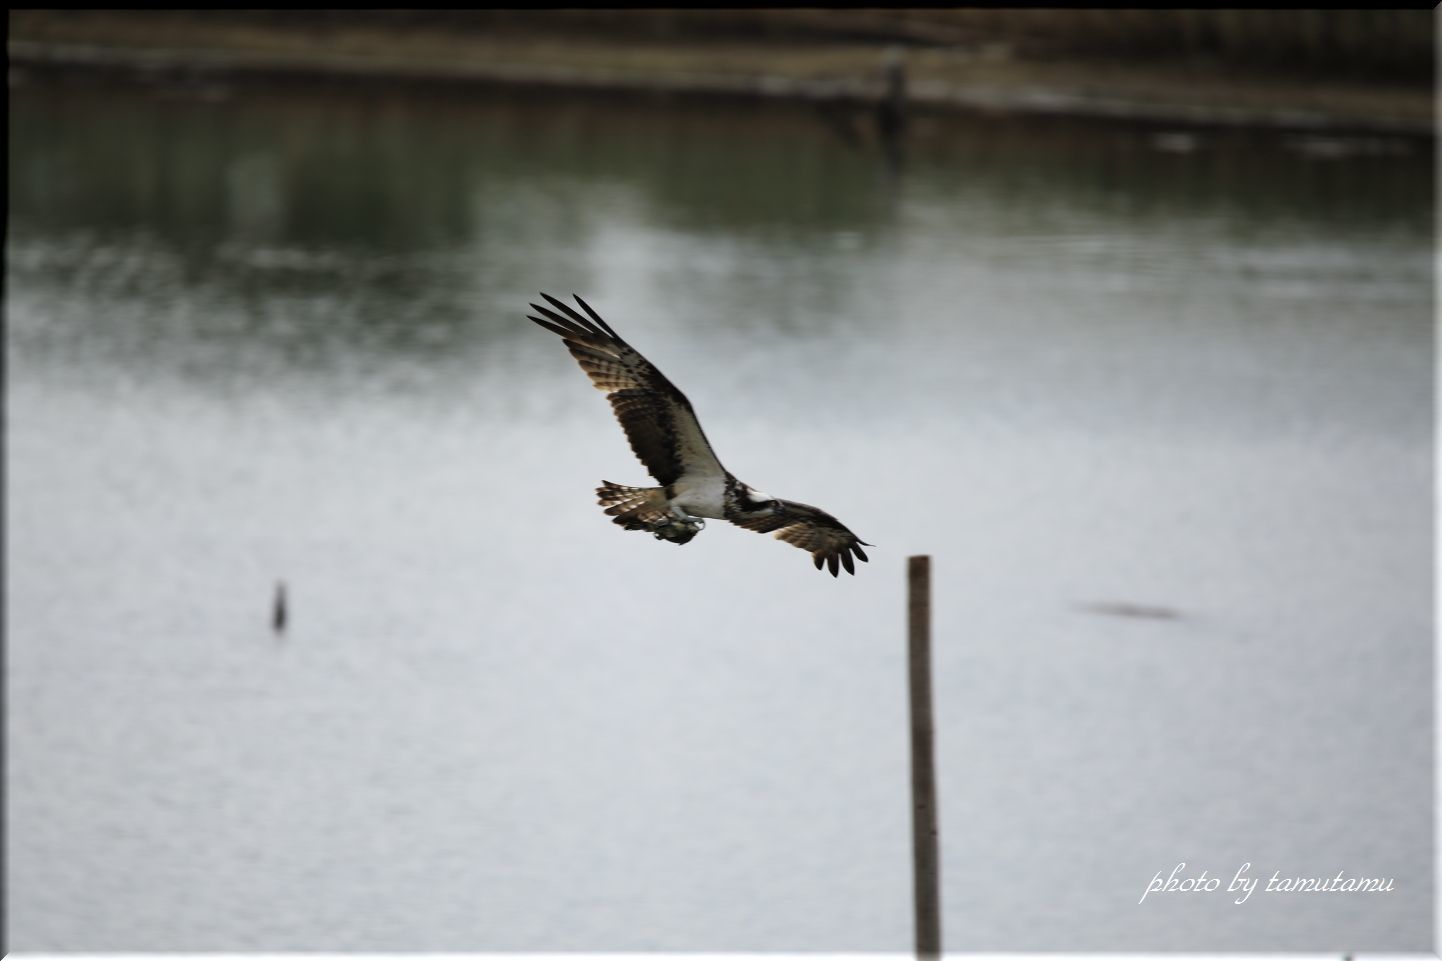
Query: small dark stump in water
(278,614)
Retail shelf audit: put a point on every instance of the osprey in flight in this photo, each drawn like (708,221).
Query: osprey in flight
(667,437)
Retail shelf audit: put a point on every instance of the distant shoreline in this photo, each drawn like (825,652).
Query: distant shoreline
(989,79)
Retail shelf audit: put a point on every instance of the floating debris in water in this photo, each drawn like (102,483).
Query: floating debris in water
(1127,609)
(1321,147)
(1176,141)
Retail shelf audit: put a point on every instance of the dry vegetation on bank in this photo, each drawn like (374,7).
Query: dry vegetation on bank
(1365,69)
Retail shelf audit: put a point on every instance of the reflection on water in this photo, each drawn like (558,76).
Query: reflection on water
(280,337)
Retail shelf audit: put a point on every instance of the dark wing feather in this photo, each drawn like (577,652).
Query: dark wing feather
(811,529)
(657,418)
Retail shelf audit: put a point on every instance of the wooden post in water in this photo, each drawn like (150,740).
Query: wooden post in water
(924,842)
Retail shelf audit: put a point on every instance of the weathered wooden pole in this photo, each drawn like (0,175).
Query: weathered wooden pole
(924,841)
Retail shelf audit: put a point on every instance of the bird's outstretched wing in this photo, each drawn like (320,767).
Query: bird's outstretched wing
(658,419)
(811,529)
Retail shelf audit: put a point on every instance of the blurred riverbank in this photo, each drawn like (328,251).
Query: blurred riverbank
(1334,71)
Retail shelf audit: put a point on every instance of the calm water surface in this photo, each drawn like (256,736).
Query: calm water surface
(278,335)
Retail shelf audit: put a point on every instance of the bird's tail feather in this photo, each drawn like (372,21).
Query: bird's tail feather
(634,508)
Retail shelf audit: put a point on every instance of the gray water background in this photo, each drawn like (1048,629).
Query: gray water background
(273,333)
